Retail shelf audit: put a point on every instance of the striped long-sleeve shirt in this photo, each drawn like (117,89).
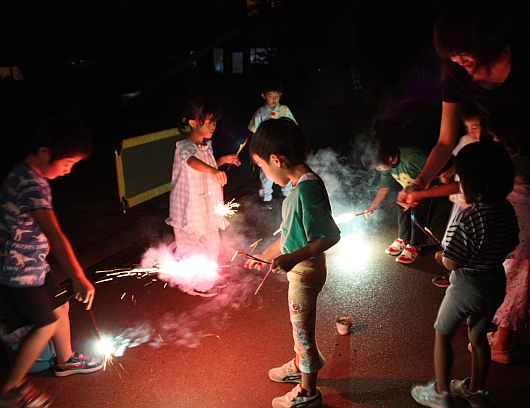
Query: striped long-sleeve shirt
(482,235)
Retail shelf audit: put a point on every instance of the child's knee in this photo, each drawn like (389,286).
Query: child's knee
(477,339)
(62,311)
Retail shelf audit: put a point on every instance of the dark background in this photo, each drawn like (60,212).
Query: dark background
(88,54)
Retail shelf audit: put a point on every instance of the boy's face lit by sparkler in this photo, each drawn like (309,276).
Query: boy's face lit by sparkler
(273,168)
(60,167)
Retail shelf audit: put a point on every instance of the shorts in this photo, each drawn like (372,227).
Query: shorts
(474,295)
(33,306)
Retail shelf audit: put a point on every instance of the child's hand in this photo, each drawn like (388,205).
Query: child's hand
(230,159)
(446,177)
(255,264)
(84,291)
(283,263)
(409,197)
(438,258)
(368,212)
(219,176)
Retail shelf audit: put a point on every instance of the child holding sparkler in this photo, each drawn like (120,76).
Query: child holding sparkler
(479,239)
(402,165)
(307,231)
(272,109)
(510,125)
(30,295)
(196,187)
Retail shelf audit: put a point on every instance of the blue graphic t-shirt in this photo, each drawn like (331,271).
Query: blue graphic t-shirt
(23,246)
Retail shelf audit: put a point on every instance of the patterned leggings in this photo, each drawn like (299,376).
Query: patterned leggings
(304,288)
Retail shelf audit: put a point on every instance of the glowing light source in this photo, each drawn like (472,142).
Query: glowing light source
(226,209)
(353,251)
(344,218)
(106,347)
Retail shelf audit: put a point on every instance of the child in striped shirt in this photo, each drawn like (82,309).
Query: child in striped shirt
(478,241)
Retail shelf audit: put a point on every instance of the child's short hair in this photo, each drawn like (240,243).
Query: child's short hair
(485,171)
(379,150)
(282,137)
(64,136)
(510,123)
(199,108)
(271,86)
(470,111)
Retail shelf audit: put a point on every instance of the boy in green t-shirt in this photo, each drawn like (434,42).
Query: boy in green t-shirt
(401,164)
(307,230)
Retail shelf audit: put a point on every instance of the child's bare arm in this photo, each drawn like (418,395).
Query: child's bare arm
(199,165)
(64,253)
(445,262)
(229,159)
(267,255)
(284,263)
(379,196)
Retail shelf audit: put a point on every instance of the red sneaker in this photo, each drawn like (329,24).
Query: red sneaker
(410,254)
(397,247)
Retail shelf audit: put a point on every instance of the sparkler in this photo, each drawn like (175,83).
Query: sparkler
(429,234)
(344,218)
(255,244)
(248,256)
(375,209)
(226,209)
(105,345)
(237,154)
(263,281)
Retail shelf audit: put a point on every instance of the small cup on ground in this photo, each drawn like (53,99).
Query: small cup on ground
(344,325)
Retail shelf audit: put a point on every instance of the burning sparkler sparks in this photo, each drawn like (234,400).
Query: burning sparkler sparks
(352,250)
(226,209)
(344,218)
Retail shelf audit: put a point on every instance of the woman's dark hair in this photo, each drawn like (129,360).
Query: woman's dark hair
(485,171)
(474,28)
(470,110)
(510,124)
(379,150)
(199,109)
(282,137)
(64,136)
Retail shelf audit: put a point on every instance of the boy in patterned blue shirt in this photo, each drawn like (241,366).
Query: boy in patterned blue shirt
(30,295)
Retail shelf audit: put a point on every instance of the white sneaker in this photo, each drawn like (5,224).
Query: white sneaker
(288,373)
(477,399)
(427,396)
(295,398)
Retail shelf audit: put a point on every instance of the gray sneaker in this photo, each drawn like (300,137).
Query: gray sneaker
(427,396)
(287,373)
(477,399)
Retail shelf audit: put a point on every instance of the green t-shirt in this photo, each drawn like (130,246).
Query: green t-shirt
(411,162)
(306,215)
